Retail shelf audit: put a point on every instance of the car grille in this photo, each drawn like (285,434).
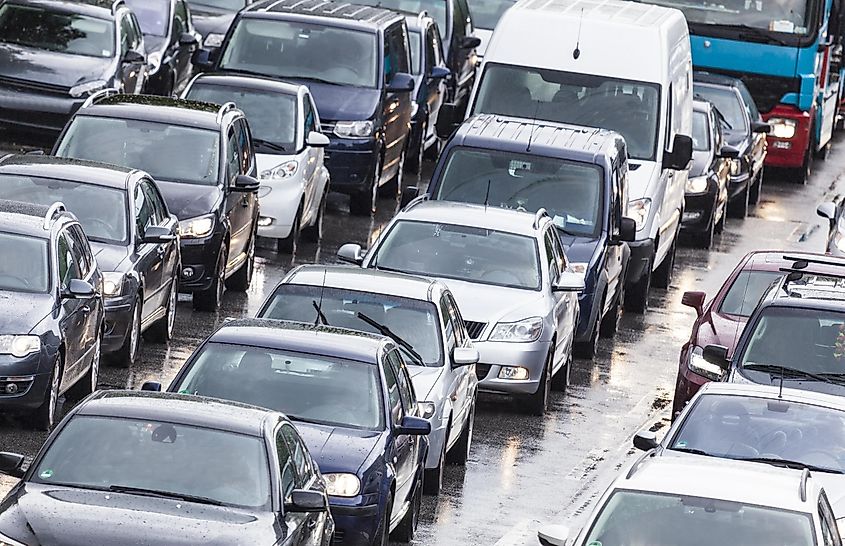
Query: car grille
(474,329)
(24,85)
(481,371)
(338,537)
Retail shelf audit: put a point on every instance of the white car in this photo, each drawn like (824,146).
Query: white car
(289,146)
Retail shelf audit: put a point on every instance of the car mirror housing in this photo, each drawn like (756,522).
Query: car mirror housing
(77,288)
(717,355)
(317,140)
(306,500)
(553,535)
(188,39)
(439,73)
(351,253)
(244,183)
(627,230)
(569,282)
(151,386)
(645,440)
(761,127)
(729,152)
(204,58)
(465,356)
(680,156)
(413,426)
(132,57)
(694,300)
(470,42)
(158,235)
(827,210)
(11,464)
(401,83)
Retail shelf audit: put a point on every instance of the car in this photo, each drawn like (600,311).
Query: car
(511,280)
(132,234)
(578,175)
(356,64)
(720,321)
(421,316)
(350,397)
(212,18)
(129,466)
(706,195)
(203,161)
(671,500)
(744,129)
(286,133)
(832,212)
(51,308)
(170,40)
(44,79)
(485,17)
(430,74)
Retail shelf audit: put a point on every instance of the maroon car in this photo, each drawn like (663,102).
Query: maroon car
(721,320)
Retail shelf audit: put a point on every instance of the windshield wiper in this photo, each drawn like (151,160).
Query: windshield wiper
(320,316)
(692,450)
(163,494)
(308,78)
(786,463)
(391,334)
(775,371)
(268,144)
(749,31)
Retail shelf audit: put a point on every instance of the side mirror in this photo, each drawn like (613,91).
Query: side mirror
(827,210)
(694,300)
(244,183)
(439,73)
(645,440)
(448,120)
(761,127)
(401,83)
(627,230)
(188,39)
(729,152)
(306,500)
(413,426)
(553,535)
(316,140)
(151,386)
(470,42)
(204,59)
(351,253)
(680,156)
(408,194)
(569,282)
(158,235)
(133,57)
(464,356)
(79,289)
(11,464)
(717,355)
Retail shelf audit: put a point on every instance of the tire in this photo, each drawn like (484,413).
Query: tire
(394,185)
(288,244)
(44,417)
(588,349)
(433,482)
(560,382)
(209,300)
(415,160)
(242,278)
(314,233)
(636,298)
(538,403)
(704,239)
(459,454)
(756,189)
(88,382)
(738,207)
(363,203)
(824,152)
(666,270)
(407,528)
(803,173)
(610,323)
(382,537)
(128,352)
(162,330)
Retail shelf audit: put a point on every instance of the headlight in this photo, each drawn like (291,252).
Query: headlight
(154,62)
(280,172)
(6,541)
(213,40)
(19,346)
(697,184)
(427,409)
(353,129)
(522,331)
(84,89)
(580,268)
(697,364)
(342,485)
(638,209)
(196,227)
(112,284)
(782,128)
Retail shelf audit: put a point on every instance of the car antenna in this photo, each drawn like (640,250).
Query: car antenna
(319,306)
(577,52)
(780,389)
(487,196)
(533,126)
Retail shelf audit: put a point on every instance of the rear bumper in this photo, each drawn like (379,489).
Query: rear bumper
(42,111)
(788,152)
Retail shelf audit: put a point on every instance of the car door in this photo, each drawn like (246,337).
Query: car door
(403,455)
(396,107)
(312,159)
(91,307)
(437,89)
(182,52)
(240,206)
(167,251)
(563,305)
(295,522)
(305,478)
(148,258)
(74,311)
(463,377)
(132,74)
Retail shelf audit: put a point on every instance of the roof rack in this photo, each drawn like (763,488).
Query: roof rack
(56,208)
(800,267)
(809,261)
(539,216)
(802,487)
(99,95)
(638,463)
(116,4)
(415,201)
(225,108)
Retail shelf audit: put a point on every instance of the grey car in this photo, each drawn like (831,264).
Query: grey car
(510,277)
(422,317)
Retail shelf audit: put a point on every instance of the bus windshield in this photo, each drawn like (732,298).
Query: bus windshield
(784,16)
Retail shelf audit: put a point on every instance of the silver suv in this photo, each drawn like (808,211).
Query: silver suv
(421,316)
(511,279)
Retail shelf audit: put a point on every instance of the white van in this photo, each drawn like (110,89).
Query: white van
(617,65)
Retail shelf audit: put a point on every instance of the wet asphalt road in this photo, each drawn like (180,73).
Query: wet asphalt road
(525,471)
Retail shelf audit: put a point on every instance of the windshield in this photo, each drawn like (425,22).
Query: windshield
(727,102)
(102,211)
(741,427)
(785,16)
(700,132)
(305,387)
(746,291)
(297,50)
(414,321)
(486,13)
(41,28)
(272,116)
(153,15)
(28,271)
(167,152)
(570,192)
(627,107)
(662,519)
(436,9)
(224,5)
(175,459)
(462,253)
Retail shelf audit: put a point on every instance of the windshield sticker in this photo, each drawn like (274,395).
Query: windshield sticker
(46,474)
(517,168)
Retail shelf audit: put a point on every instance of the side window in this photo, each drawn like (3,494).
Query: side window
(81,250)
(233,157)
(448,324)
(551,254)
(670,103)
(560,255)
(395,52)
(431,56)
(461,335)
(310,116)
(406,391)
(180,20)
(156,204)
(244,145)
(394,398)
(144,213)
(68,267)
(830,532)
(287,473)
(436,43)
(125,30)
(299,456)
(615,210)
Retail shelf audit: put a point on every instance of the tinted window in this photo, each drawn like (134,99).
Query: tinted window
(160,214)
(727,102)
(700,131)
(406,391)
(310,116)
(82,252)
(181,20)
(233,157)
(397,413)
(144,212)
(551,256)
(68,263)
(153,15)
(300,456)
(34,26)
(395,53)
(28,272)
(746,291)
(486,13)
(415,45)
(287,471)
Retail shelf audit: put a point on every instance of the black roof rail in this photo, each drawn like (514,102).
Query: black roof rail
(539,215)
(415,201)
(795,274)
(807,261)
(116,4)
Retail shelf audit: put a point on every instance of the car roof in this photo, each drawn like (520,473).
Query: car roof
(164,110)
(249,82)
(774,392)
(179,409)
(562,140)
(699,76)
(101,9)
(365,280)
(303,338)
(86,172)
(465,214)
(28,219)
(360,16)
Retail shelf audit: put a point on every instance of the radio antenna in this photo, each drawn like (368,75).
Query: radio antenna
(533,126)
(487,196)
(577,52)
(780,390)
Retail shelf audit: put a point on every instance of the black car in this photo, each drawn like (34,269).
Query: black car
(55,53)
(51,311)
(163,469)
(203,161)
(170,40)
(744,129)
(212,18)
(132,234)
(355,61)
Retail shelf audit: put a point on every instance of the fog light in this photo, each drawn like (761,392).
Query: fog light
(12,388)
(187,272)
(513,372)
(264,221)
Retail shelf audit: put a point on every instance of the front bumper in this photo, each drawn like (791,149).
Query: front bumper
(436,441)
(354,524)
(496,354)
(31,377)
(351,163)
(199,262)
(738,184)
(27,108)
(699,211)
(118,319)
(640,264)
(687,385)
(279,202)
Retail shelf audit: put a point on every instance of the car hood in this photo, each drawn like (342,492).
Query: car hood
(424,379)
(190,200)
(578,249)
(737,139)
(343,102)
(486,303)
(154,43)
(338,449)
(642,180)
(50,67)
(55,516)
(211,23)
(29,310)
(109,257)
(700,163)
(721,330)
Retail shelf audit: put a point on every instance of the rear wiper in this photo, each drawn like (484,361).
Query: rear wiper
(268,144)
(163,494)
(786,463)
(775,371)
(385,331)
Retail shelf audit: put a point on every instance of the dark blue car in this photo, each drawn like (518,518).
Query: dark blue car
(579,175)
(350,397)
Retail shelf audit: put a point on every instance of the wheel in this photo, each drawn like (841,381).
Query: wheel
(363,203)
(756,189)
(803,173)
(382,537)
(665,271)
(44,417)
(433,151)
(394,185)
(560,382)
(209,300)
(408,526)
(314,233)
(128,353)
(705,238)
(636,299)
(588,349)
(738,207)
(610,322)
(824,152)
(539,401)
(288,244)
(88,382)
(415,160)
(434,476)
(459,454)
(242,278)
(162,330)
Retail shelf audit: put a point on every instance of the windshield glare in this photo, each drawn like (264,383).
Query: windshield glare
(783,16)
(102,211)
(28,271)
(486,13)
(167,152)
(570,192)
(295,50)
(307,387)
(727,102)
(99,452)
(627,107)
(700,132)
(413,320)
(463,253)
(746,291)
(39,28)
